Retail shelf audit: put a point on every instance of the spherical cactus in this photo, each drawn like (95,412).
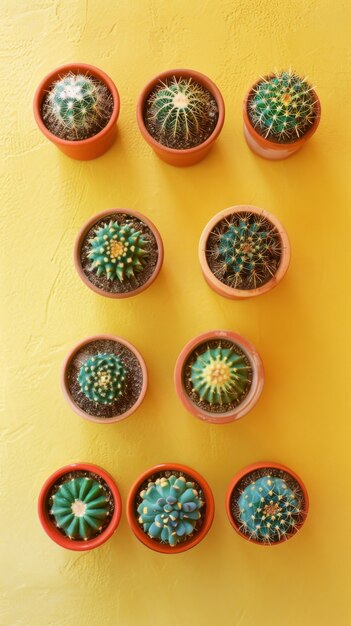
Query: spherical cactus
(170,509)
(118,251)
(282,107)
(80,508)
(220,375)
(270,510)
(102,378)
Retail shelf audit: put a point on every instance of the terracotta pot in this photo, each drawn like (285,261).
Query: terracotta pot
(137,529)
(230,292)
(189,156)
(65,387)
(49,526)
(257,377)
(94,146)
(247,470)
(79,242)
(270,149)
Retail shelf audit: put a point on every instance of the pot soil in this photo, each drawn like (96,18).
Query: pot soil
(134,384)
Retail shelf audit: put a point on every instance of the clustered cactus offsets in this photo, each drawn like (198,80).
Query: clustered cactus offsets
(102,378)
(170,509)
(118,251)
(81,508)
(77,106)
(282,107)
(180,113)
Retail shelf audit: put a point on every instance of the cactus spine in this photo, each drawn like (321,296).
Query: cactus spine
(102,378)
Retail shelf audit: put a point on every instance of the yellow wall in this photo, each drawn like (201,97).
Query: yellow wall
(301,329)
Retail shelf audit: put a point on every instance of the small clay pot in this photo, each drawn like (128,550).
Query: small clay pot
(248,401)
(84,149)
(272,150)
(230,292)
(248,470)
(80,242)
(50,527)
(188,156)
(66,388)
(132,514)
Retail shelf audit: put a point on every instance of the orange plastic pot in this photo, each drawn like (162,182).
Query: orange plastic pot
(270,149)
(247,470)
(240,294)
(257,377)
(132,516)
(49,526)
(66,390)
(80,239)
(94,146)
(189,156)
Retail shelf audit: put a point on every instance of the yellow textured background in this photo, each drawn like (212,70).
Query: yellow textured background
(301,329)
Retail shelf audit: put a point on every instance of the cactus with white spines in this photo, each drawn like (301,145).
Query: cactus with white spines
(102,378)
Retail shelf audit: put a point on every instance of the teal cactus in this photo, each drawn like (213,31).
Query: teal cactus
(102,378)
(282,107)
(220,375)
(80,508)
(170,509)
(269,510)
(118,251)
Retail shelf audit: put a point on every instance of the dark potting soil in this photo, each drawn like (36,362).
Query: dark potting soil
(103,115)
(194,396)
(264,271)
(79,474)
(207,117)
(166,474)
(133,383)
(246,480)
(129,284)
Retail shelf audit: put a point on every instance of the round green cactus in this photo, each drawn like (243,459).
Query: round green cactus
(102,378)
(220,375)
(118,251)
(80,508)
(170,509)
(269,510)
(282,106)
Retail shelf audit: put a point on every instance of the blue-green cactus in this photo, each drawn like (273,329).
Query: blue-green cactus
(118,251)
(102,378)
(170,509)
(220,375)
(80,508)
(269,510)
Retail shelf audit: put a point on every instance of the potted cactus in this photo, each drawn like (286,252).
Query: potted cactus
(281,112)
(104,379)
(79,506)
(170,508)
(180,114)
(118,253)
(219,376)
(267,503)
(244,251)
(76,106)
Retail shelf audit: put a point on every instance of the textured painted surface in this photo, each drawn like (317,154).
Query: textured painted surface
(300,329)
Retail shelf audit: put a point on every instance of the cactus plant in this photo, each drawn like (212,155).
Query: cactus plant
(220,375)
(118,251)
(282,107)
(102,378)
(170,509)
(80,508)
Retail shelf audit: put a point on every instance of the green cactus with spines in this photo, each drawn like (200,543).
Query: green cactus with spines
(80,508)
(170,509)
(220,375)
(269,510)
(282,106)
(102,378)
(118,251)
